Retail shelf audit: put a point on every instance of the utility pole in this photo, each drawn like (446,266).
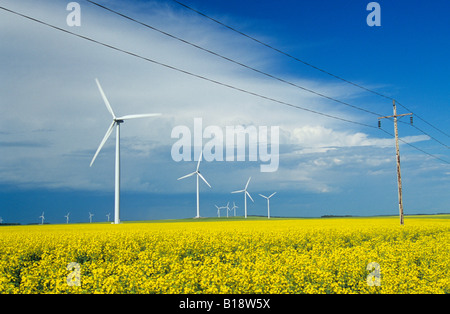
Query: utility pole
(399,176)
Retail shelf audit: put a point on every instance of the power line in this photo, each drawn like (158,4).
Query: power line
(208,79)
(186,72)
(415,147)
(231,60)
(280,51)
(303,61)
(423,132)
(256,70)
(427,134)
(425,121)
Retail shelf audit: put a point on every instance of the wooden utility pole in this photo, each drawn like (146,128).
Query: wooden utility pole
(399,176)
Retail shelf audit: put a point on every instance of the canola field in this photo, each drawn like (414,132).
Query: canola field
(282,256)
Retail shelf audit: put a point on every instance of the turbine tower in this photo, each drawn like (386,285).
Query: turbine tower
(197,172)
(42,218)
(245,195)
(116,123)
(90,217)
(67,218)
(268,203)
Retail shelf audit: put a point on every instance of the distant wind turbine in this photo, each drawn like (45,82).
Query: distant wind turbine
(197,172)
(234,208)
(67,218)
(218,210)
(42,218)
(245,195)
(268,203)
(116,123)
(1,220)
(107,215)
(90,217)
(228,208)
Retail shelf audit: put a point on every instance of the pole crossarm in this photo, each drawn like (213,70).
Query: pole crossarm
(396,116)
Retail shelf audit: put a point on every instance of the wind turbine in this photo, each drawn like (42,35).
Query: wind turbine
(67,218)
(197,172)
(245,195)
(42,217)
(234,208)
(116,123)
(228,208)
(218,210)
(90,217)
(107,215)
(268,203)
(1,220)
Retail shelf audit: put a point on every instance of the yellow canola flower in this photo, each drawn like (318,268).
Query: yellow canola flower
(229,256)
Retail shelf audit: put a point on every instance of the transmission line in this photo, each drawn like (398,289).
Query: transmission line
(231,60)
(210,80)
(415,147)
(186,72)
(303,61)
(425,121)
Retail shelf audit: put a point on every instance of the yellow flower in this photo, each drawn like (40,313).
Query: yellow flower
(230,256)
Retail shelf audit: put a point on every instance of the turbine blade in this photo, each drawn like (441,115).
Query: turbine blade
(240,191)
(186,176)
(247,183)
(137,116)
(199,159)
(105,138)
(272,194)
(249,196)
(108,106)
(203,178)
(263,196)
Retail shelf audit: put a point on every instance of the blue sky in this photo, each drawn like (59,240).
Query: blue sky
(53,117)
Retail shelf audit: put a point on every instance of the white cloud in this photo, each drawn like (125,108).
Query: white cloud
(318,138)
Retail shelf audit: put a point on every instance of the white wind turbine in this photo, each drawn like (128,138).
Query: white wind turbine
(245,195)
(218,210)
(234,208)
(116,123)
(90,217)
(42,218)
(107,215)
(228,208)
(268,203)
(197,172)
(1,220)
(67,218)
